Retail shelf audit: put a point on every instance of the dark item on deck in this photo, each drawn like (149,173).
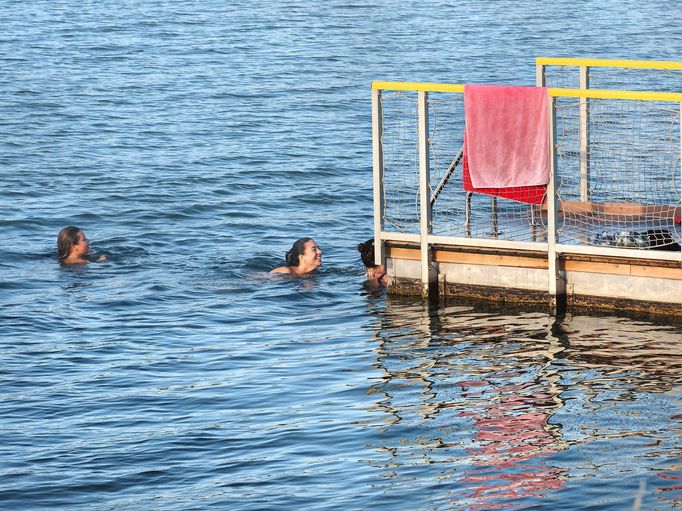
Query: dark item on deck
(661,239)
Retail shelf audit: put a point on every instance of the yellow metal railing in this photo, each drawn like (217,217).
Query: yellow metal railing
(675,97)
(416,86)
(634,64)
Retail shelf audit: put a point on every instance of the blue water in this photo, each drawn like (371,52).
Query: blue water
(193,142)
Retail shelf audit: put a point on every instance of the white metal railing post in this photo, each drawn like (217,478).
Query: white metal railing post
(557,287)
(540,75)
(680,167)
(428,274)
(378,172)
(584,137)
(540,81)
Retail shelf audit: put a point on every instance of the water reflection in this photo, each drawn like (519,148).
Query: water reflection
(503,404)
(512,432)
(642,355)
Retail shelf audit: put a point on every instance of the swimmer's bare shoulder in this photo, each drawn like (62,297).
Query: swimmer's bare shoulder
(283,269)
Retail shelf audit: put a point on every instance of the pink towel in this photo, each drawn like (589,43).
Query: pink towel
(507,138)
(533,194)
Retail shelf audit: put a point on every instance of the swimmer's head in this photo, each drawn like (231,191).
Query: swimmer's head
(293,255)
(71,242)
(366,250)
(304,257)
(305,252)
(375,272)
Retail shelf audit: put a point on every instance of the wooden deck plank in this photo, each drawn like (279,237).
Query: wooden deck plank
(592,264)
(443,256)
(618,209)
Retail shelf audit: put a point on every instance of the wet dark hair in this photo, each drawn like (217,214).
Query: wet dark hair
(366,250)
(293,254)
(67,238)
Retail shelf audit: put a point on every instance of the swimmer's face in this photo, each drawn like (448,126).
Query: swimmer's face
(312,254)
(83,245)
(378,274)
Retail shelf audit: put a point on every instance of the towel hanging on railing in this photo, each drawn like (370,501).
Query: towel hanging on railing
(506,135)
(534,194)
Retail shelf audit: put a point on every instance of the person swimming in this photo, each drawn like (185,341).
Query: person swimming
(73,246)
(304,257)
(375,272)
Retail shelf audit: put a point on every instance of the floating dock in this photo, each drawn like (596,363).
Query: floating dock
(607,231)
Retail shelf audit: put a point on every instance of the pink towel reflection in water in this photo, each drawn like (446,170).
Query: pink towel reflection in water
(514,437)
(506,135)
(500,492)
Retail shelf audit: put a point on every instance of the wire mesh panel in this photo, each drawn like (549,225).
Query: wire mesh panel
(487,216)
(660,80)
(617,175)
(446,115)
(457,211)
(629,194)
(564,77)
(401,161)
(615,78)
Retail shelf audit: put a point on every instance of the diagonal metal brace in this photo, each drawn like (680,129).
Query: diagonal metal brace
(447,176)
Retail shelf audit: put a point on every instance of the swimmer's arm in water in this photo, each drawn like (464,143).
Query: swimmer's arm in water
(73,260)
(81,260)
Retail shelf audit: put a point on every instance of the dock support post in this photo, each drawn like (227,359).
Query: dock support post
(378,171)
(428,272)
(557,282)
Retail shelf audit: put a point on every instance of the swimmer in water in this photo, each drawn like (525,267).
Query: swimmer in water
(304,258)
(375,272)
(73,246)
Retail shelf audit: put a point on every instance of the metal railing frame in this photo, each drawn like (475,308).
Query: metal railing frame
(426,239)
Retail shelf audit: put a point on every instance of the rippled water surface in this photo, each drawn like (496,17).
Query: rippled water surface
(193,142)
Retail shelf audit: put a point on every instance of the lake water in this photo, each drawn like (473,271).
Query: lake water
(193,142)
